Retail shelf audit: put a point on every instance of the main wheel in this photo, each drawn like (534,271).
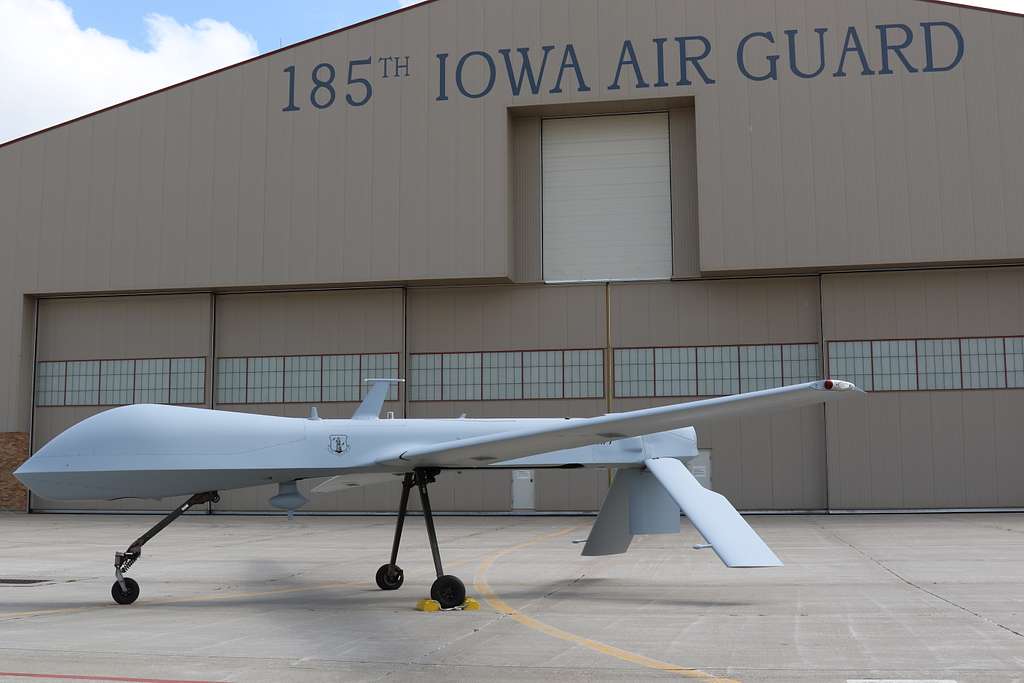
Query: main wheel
(125,597)
(390,577)
(449,591)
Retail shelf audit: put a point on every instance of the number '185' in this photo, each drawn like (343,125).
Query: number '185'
(322,93)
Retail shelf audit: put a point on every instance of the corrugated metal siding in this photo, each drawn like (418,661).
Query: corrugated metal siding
(124,327)
(296,323)
(926,448)
(682,136)
(885,169)
(506,318)
(526,199)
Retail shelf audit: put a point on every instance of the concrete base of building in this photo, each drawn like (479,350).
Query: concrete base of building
(265,599)
(13,452)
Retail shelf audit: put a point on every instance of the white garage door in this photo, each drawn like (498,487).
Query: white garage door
(607,208)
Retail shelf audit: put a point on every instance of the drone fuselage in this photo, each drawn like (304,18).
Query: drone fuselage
(150,451)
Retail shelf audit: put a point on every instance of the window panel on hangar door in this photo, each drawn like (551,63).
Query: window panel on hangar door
(303,379)
(929,364)
(180,381)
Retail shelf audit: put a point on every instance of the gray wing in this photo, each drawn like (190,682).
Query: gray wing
(483,450)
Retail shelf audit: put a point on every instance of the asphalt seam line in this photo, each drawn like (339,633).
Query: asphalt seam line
(910,583)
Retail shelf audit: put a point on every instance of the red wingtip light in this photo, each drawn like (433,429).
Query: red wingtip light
(828,384)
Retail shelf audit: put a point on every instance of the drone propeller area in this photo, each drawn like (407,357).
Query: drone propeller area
(161,451)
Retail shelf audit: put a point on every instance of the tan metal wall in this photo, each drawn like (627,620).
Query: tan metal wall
(682,124)
(527,198)
(115,328)
(865,170)
(775,462)
(297,323)
(939,449)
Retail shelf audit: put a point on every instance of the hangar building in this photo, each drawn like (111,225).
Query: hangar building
(555,208)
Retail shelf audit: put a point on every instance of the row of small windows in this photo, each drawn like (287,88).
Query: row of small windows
(880,365)
(713,370)
(120,382)
(302,379)
(505,375)
(468,376)
(929,364)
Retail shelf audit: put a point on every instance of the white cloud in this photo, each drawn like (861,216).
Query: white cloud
(52,69)
(407,3)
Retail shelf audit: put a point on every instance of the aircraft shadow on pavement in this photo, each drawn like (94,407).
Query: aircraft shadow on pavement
(319,595)
(606,590)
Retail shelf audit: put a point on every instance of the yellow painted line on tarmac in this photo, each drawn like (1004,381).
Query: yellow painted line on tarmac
(597,646)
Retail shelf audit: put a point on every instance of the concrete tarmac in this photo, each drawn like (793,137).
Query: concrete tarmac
(226,598)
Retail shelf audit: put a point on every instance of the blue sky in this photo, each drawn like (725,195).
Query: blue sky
(271,22)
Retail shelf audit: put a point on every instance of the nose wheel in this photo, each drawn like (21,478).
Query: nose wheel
(447,590)
(126,595)
(125,591)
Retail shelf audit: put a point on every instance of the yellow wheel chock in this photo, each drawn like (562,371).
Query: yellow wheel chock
(435,606)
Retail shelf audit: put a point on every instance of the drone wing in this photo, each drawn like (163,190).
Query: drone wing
(484,450)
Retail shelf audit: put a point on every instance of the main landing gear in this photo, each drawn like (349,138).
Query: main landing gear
(447,590)
(125,591)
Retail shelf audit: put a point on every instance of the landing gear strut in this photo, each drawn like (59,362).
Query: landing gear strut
(125,591)
(447,590)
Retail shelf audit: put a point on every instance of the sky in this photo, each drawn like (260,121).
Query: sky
(57,57)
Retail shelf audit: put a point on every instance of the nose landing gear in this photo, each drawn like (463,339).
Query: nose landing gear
(447,590)
(125,591)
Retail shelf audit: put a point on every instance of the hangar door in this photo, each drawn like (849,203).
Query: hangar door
(607,206)
(93,354)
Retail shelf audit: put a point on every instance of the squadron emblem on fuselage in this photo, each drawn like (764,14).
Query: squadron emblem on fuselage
(338,443)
